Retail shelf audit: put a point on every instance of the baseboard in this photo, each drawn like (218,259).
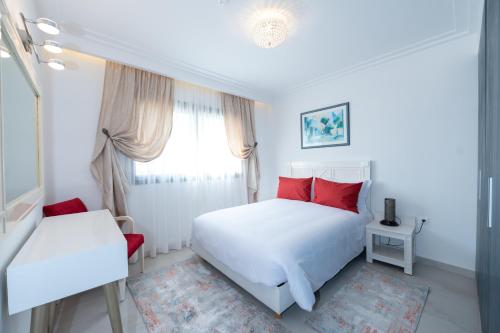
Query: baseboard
(447,267)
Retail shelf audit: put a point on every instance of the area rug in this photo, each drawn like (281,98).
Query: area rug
(192,296)
(371,302)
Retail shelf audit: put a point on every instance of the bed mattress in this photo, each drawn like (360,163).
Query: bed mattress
(279,240)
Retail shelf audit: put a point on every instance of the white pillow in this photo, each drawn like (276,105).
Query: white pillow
(363,195)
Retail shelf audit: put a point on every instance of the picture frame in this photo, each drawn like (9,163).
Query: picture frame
(325,127)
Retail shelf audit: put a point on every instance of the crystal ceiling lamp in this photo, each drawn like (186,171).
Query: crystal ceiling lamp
(270,29)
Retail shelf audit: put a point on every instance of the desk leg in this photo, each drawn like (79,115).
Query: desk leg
(40,319)
(52,316)
(121,289)
(110,292)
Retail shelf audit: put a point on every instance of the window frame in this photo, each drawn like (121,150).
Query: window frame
(138,180)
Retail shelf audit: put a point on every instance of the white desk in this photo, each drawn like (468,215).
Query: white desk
(64,256)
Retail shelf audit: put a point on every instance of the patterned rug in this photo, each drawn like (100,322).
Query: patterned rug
(192,296)
(371,302)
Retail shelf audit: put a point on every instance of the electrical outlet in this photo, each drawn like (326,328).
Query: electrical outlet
(421,220)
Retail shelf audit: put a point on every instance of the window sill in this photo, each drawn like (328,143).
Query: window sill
(179,180)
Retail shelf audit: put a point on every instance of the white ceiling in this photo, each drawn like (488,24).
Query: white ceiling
(328,38)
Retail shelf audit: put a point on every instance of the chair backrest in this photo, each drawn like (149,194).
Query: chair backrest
(72,206)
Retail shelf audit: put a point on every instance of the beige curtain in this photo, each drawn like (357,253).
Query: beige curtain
(240,130)
(136,119)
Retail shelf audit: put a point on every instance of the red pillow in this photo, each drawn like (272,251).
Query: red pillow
(338,195)
(295,188)
(72,206)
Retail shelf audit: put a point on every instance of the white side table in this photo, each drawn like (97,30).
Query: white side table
(404,257)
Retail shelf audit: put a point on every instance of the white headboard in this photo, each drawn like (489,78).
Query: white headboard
(339,171)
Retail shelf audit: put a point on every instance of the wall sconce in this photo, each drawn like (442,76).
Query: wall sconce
(56,64)
(46,25)
(51,46)
(50,27)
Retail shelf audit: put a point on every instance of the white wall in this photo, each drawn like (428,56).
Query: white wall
(72,107)
(416,119)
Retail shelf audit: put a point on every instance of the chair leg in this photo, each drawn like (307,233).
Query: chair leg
(113,305)
(133,258)
(121,289)
(318,297)
(141,258)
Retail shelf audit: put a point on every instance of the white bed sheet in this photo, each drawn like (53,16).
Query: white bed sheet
(279,240)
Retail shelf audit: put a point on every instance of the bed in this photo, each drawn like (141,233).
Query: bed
(281,251)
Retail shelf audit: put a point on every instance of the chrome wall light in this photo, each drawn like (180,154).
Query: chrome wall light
(51,46)
(49,27)
(55,64)
(46,25)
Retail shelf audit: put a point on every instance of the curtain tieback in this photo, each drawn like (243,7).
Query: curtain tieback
(106,132)
(248,151)
(252,148)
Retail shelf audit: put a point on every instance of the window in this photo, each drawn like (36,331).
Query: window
(197,149)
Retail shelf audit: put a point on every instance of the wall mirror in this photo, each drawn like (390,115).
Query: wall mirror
(19,112)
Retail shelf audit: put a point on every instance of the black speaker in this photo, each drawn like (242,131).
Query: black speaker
(389,213)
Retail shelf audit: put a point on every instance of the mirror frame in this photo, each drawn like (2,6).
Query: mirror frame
(17,209)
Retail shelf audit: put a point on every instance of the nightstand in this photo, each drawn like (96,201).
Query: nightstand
(403,257)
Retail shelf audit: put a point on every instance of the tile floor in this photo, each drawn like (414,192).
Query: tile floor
(452,304)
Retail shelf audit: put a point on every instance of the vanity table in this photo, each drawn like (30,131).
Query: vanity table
(64,256)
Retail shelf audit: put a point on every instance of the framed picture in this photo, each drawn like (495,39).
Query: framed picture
(326,127)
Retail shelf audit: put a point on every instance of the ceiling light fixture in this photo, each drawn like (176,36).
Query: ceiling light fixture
(50,27)
(270,29)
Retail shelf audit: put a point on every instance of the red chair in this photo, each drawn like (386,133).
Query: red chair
(134,241)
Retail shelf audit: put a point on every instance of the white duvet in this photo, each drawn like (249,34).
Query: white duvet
(279,240)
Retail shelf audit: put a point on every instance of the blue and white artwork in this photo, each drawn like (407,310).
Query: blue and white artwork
(325,127)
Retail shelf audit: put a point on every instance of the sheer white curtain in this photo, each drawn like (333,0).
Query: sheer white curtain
(196,173)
